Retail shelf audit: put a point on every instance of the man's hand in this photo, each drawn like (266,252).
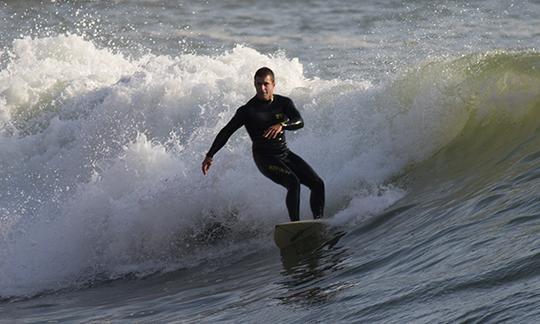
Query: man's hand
(273,131)
(206,165)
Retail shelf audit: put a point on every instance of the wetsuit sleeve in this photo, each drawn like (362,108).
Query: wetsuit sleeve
(223,136)
(294,121)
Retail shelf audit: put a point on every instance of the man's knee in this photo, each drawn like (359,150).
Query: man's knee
(317,184)
(292,183)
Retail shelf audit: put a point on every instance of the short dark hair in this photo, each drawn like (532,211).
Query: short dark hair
(263,72)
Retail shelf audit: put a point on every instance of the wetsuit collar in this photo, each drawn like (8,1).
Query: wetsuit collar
(265,101)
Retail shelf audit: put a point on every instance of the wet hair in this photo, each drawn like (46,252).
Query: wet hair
(263,72)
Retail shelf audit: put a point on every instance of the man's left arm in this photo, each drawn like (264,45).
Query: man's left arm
(294,120)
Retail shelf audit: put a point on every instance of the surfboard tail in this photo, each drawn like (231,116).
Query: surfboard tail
(300,232)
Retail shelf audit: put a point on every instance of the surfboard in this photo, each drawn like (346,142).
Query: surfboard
(292,233)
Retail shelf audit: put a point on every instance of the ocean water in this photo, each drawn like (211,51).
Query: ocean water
(421,117)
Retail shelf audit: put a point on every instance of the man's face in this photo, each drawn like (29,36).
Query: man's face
(265,87)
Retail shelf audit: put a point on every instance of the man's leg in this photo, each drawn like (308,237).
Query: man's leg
(274,169)
(309,178)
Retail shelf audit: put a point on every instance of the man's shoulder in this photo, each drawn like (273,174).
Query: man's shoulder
(282,98)
(248,104)
(283,101)
(242,108)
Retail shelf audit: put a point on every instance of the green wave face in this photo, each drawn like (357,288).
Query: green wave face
(490,156)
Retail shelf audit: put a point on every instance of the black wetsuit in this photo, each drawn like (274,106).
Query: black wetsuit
(272,156)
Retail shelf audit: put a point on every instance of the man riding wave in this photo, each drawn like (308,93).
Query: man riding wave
(266,117)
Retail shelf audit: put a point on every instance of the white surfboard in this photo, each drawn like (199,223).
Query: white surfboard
(291,233)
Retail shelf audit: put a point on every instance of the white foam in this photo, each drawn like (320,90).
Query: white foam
(367,204)
(102,157)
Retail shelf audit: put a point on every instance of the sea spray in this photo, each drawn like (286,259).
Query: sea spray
(103,155)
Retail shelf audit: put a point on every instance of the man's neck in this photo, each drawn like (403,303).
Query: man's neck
(265,100)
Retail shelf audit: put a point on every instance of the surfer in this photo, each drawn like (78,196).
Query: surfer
(266,116)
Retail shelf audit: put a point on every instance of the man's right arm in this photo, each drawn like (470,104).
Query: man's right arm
(225,133)
(221,139)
